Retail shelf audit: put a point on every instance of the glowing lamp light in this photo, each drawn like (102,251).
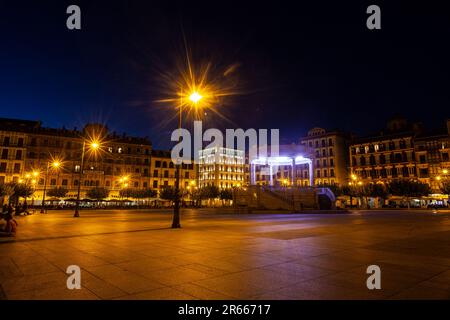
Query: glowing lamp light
(195,97)
(56,164)
(445,171)
(94,145)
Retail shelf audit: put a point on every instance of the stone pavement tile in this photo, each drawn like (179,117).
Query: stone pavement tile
(443,277)
(274,295)
(330,262)
(268,280)
(321,290)
(145,266)
(99,287)
(231,287)
(124,280)
(85,260)
(299,272)
(422,291)
(202,293)
(230,266)
(53,293)
(34,282)
(37,267)
(160,294)
(177,275)
(206,269)
(8,269)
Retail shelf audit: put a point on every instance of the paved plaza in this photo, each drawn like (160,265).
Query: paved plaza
(134,255)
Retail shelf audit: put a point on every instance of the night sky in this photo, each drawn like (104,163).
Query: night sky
(296,65)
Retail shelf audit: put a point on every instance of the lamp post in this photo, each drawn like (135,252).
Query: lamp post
(194,99)
(94,146)
(55,165)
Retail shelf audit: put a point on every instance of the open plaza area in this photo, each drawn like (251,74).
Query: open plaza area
(134,254)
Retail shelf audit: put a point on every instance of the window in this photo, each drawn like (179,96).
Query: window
(145,185)
(330,142)
(5,154)
(3,167)
(20,142)
(318,174)
(107,183)
(53,182)
(155,184)
(64,182)
(155,173)
(186,175)
(158,164)
(166,173)
(19,155)
(77,168)
(331,172)
(6,141)
(164,164)
(136,184)
(331,162)
(16,167)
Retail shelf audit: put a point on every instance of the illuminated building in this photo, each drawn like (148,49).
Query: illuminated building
(291,166)
(221,167)
(432,151)
(329,154)
(385,156)
(163,172)
(27,146)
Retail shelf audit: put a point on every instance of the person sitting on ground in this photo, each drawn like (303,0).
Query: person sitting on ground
(10,228)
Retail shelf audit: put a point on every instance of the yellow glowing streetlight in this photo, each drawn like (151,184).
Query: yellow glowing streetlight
(35,173)
(56,164)
(445,171)
(94,144)
(195,97)
(438,178)
(354,177)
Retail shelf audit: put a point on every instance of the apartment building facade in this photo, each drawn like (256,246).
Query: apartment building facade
(329,150)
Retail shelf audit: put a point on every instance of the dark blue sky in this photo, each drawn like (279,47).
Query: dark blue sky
(300,65)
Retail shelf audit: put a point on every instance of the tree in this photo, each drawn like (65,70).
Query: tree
(6,190)
(98,193)
(209,192)
(445,187)
(22,190)
(168,193)
(58,192)
(225,195)
(407,189)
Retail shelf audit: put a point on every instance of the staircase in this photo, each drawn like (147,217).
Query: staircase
(272,198)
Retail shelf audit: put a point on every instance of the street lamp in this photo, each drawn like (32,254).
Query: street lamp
(93,145)
(194,98)
(55,165)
